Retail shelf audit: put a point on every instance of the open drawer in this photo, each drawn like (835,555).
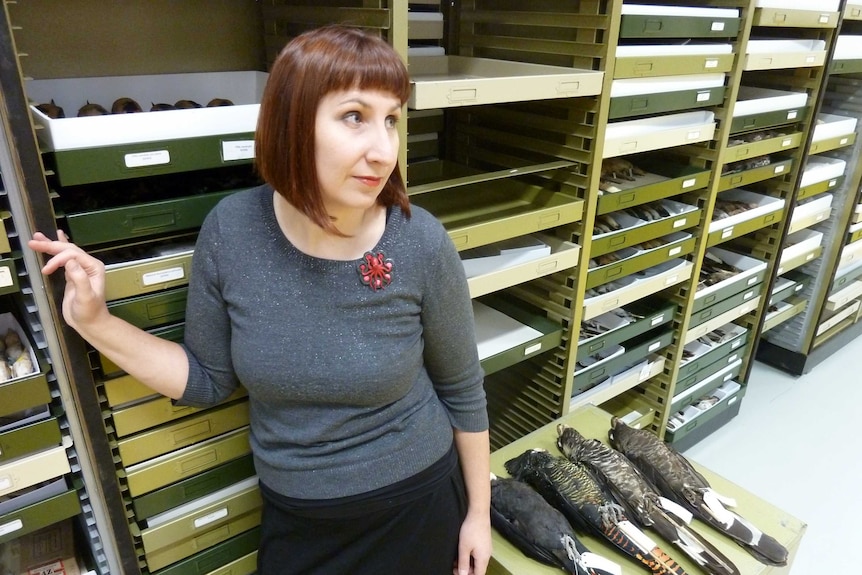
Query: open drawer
(704,416)
(750,171)
(783,311)
(635,287)
(842,297)
(770,54)
(846,58)
(851,310)
(744,146)
(821,174)
(689,391)
(725,273)
(643,181)
(728,304)
(799,248)
(758,108)
(786,286)
(647,21)
(723,345)
(627,261)
(618,359)
(716,321)
(810,213)
(654,133)
(167,267)
(759,211)
(640,61)
(448,81)
(642,223)
(656,95)
(619,325)
(645,369)
(832,131)
(44,506)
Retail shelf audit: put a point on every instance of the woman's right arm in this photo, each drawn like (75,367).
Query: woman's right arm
(158,363)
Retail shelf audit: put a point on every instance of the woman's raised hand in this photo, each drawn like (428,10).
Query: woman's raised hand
(84,298)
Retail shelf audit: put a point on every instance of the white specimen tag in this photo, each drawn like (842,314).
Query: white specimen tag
(637,536)
(599,563)
(162,276)
(142,159)
(674,251)
(676,509)
(688,183)
(237,150)
(11,527)
(716,509)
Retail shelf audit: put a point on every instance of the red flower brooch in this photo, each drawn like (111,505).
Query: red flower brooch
(375,270)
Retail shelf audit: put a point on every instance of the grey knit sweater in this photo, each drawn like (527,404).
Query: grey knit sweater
(350,389)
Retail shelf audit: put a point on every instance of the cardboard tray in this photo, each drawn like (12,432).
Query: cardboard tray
(449,81)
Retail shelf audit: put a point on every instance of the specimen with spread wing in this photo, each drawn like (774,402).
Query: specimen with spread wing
(541,531)
(571,488)
(640,498)
(678,480)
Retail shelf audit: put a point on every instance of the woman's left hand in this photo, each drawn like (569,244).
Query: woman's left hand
(474,545)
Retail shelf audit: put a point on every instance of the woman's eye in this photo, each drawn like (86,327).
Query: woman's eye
(391,121)
(353,118)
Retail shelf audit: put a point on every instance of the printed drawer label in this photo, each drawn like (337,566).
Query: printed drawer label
(143,159)
(717,26)
(11,527)
(237,150)
(6,279)
(162,276)
(210,518)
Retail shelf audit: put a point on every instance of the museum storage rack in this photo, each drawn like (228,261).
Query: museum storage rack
(832,293)
(521,113)
(49,486)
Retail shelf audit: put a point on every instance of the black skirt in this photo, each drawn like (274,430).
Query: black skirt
(409,527)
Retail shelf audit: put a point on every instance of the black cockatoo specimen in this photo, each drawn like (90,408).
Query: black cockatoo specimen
(572,489)
(641,499)
(679,481)
(540,531)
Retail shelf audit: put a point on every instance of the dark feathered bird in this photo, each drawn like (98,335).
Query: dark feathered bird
(186,104)
(89,109)
(679,481)
(641,499)
(219,102)
(161,107)
(572,489)
(539,530)
(51,110)
(125,106)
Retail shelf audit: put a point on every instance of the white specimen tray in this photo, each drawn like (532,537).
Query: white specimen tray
(664,84)
(640,50)
(820,169)
(770,54)
(847,47)
(753,100)
(496,332)
(691,11)
(799,243)
(243,88)
(850,254)
(817,5)
(833,125)
(690,413)
(658,132)
(500,255)
(615,385)
(750,267)
(810,213)
(765,205)
(786,45)
(447,81)
(638,286)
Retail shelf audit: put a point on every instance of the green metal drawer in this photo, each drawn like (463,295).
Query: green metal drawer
(146,276)
(848,66)
(842,281)
(653,65)
(156,411)
(819,187)
(770,119)
(5,217)
(142,220)
(499,210)
(29,438)
(794,18)
(720,354)
(689,390)
(174,332)
(834,143)
(200,485)
(725,305)
(210,561)
(652,315)
(636,350)
(152,310)
(125,389)
(187,431)
(752,272)
(38,515)
(778,167)
(25,392)
(643,104)
(661,182)
(742,228)
(137,160)
(550,338)
(246,565)
(707,422)
(183,463)
(794,285)
(746,150)
(205,562)
(787,309)
(672,26)
(678,245)
(636,231)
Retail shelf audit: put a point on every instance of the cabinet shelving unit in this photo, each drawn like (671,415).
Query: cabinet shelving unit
(580,153)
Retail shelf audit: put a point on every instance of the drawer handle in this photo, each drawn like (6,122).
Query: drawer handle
(189,432)
(151,221)
(571,87)
(742,152)
(463,95)
(547,267)
(206,458)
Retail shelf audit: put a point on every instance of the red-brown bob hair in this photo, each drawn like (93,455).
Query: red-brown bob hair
(311,66)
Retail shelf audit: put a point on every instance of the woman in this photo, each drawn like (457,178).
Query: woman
(346,316)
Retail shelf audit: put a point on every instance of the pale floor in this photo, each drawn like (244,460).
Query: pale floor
(795,443)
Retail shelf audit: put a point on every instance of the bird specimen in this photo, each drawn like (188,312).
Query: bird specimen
(51,110)
(641,500)
(572,489)
(89,109)
(541,531)
(125,106)
(186,104)
(219,102)
(161,107)
(679,481)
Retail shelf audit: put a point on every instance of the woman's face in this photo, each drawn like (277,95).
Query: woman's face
(356,146)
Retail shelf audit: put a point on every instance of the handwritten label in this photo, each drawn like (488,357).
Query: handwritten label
(785,143)
(6,278)
(162,276)
(143,159)
(237,150)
